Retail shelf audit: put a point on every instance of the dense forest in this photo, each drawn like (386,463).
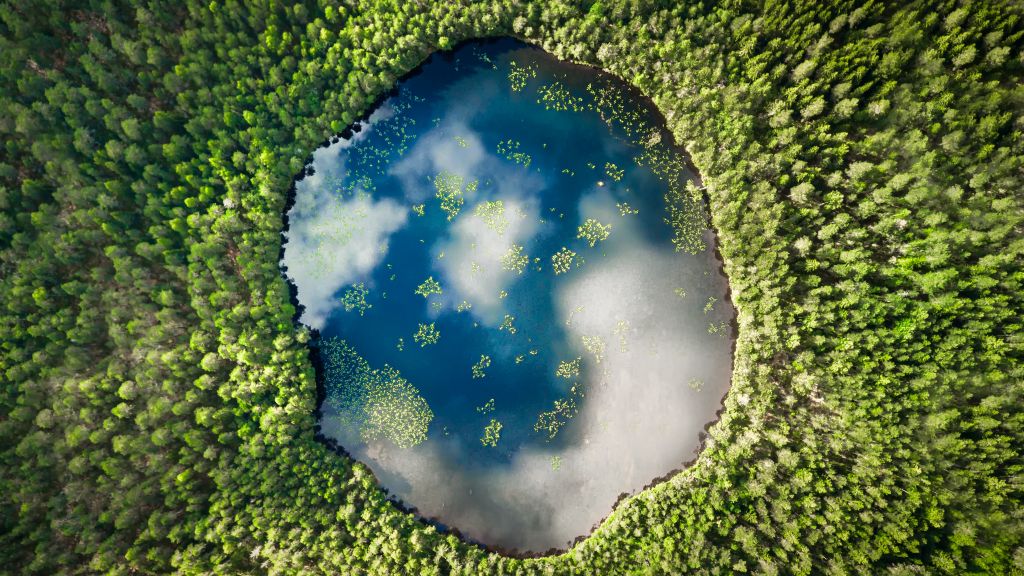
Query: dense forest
(863,162)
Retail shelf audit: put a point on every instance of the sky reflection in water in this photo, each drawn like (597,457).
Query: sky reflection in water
(648,323)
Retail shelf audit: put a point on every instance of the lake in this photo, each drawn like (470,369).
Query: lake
(520,314)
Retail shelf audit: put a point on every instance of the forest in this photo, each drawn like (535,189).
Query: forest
(863,165)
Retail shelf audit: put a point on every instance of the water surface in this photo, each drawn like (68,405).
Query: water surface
(520,315)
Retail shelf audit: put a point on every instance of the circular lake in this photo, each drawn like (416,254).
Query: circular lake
(520,313)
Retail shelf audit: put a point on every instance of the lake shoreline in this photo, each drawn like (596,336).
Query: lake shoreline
(313,345)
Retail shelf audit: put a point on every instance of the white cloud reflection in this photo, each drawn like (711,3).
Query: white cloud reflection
(335,241)
(639,418)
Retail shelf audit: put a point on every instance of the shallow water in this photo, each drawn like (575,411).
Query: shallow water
(507,393)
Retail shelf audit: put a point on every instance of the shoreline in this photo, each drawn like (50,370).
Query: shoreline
(313,345)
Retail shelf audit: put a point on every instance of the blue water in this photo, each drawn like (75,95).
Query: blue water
(636,310)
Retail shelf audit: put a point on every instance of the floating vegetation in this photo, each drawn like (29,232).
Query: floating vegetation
(419,209)
(562,260)
(556,96)
(595,345)
(515,260)
(518,75)
(390,137)
(492,433)
(493,214)
(551,421)
(436,306)
(680,292)
(401,344)
(507,324)
(462,142)
(510,150)
(709,306)
(355,299)
(593,231)
(426,334)
(717,327)
(449,192)
(556,463)
(696,384)
(613,171)
(379,403)
(622,328)
(487,408)
(570,369)
(502,294)
(429,286)
(463,306)
(625,209)
(520,358)
(479,369)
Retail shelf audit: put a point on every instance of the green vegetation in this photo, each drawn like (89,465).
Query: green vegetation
(562,260)
(593,231)
(518,75)
(487,408)
(569,370)
(510,150)
(428,287)
(492,433)
(625,209)
(426,334)
(492,212)
(354,298)
(508,324)
(480,368)
(377,402)
(449,192)
(863,166)
(514,260)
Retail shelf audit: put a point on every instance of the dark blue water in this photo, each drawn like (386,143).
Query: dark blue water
(476,423)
